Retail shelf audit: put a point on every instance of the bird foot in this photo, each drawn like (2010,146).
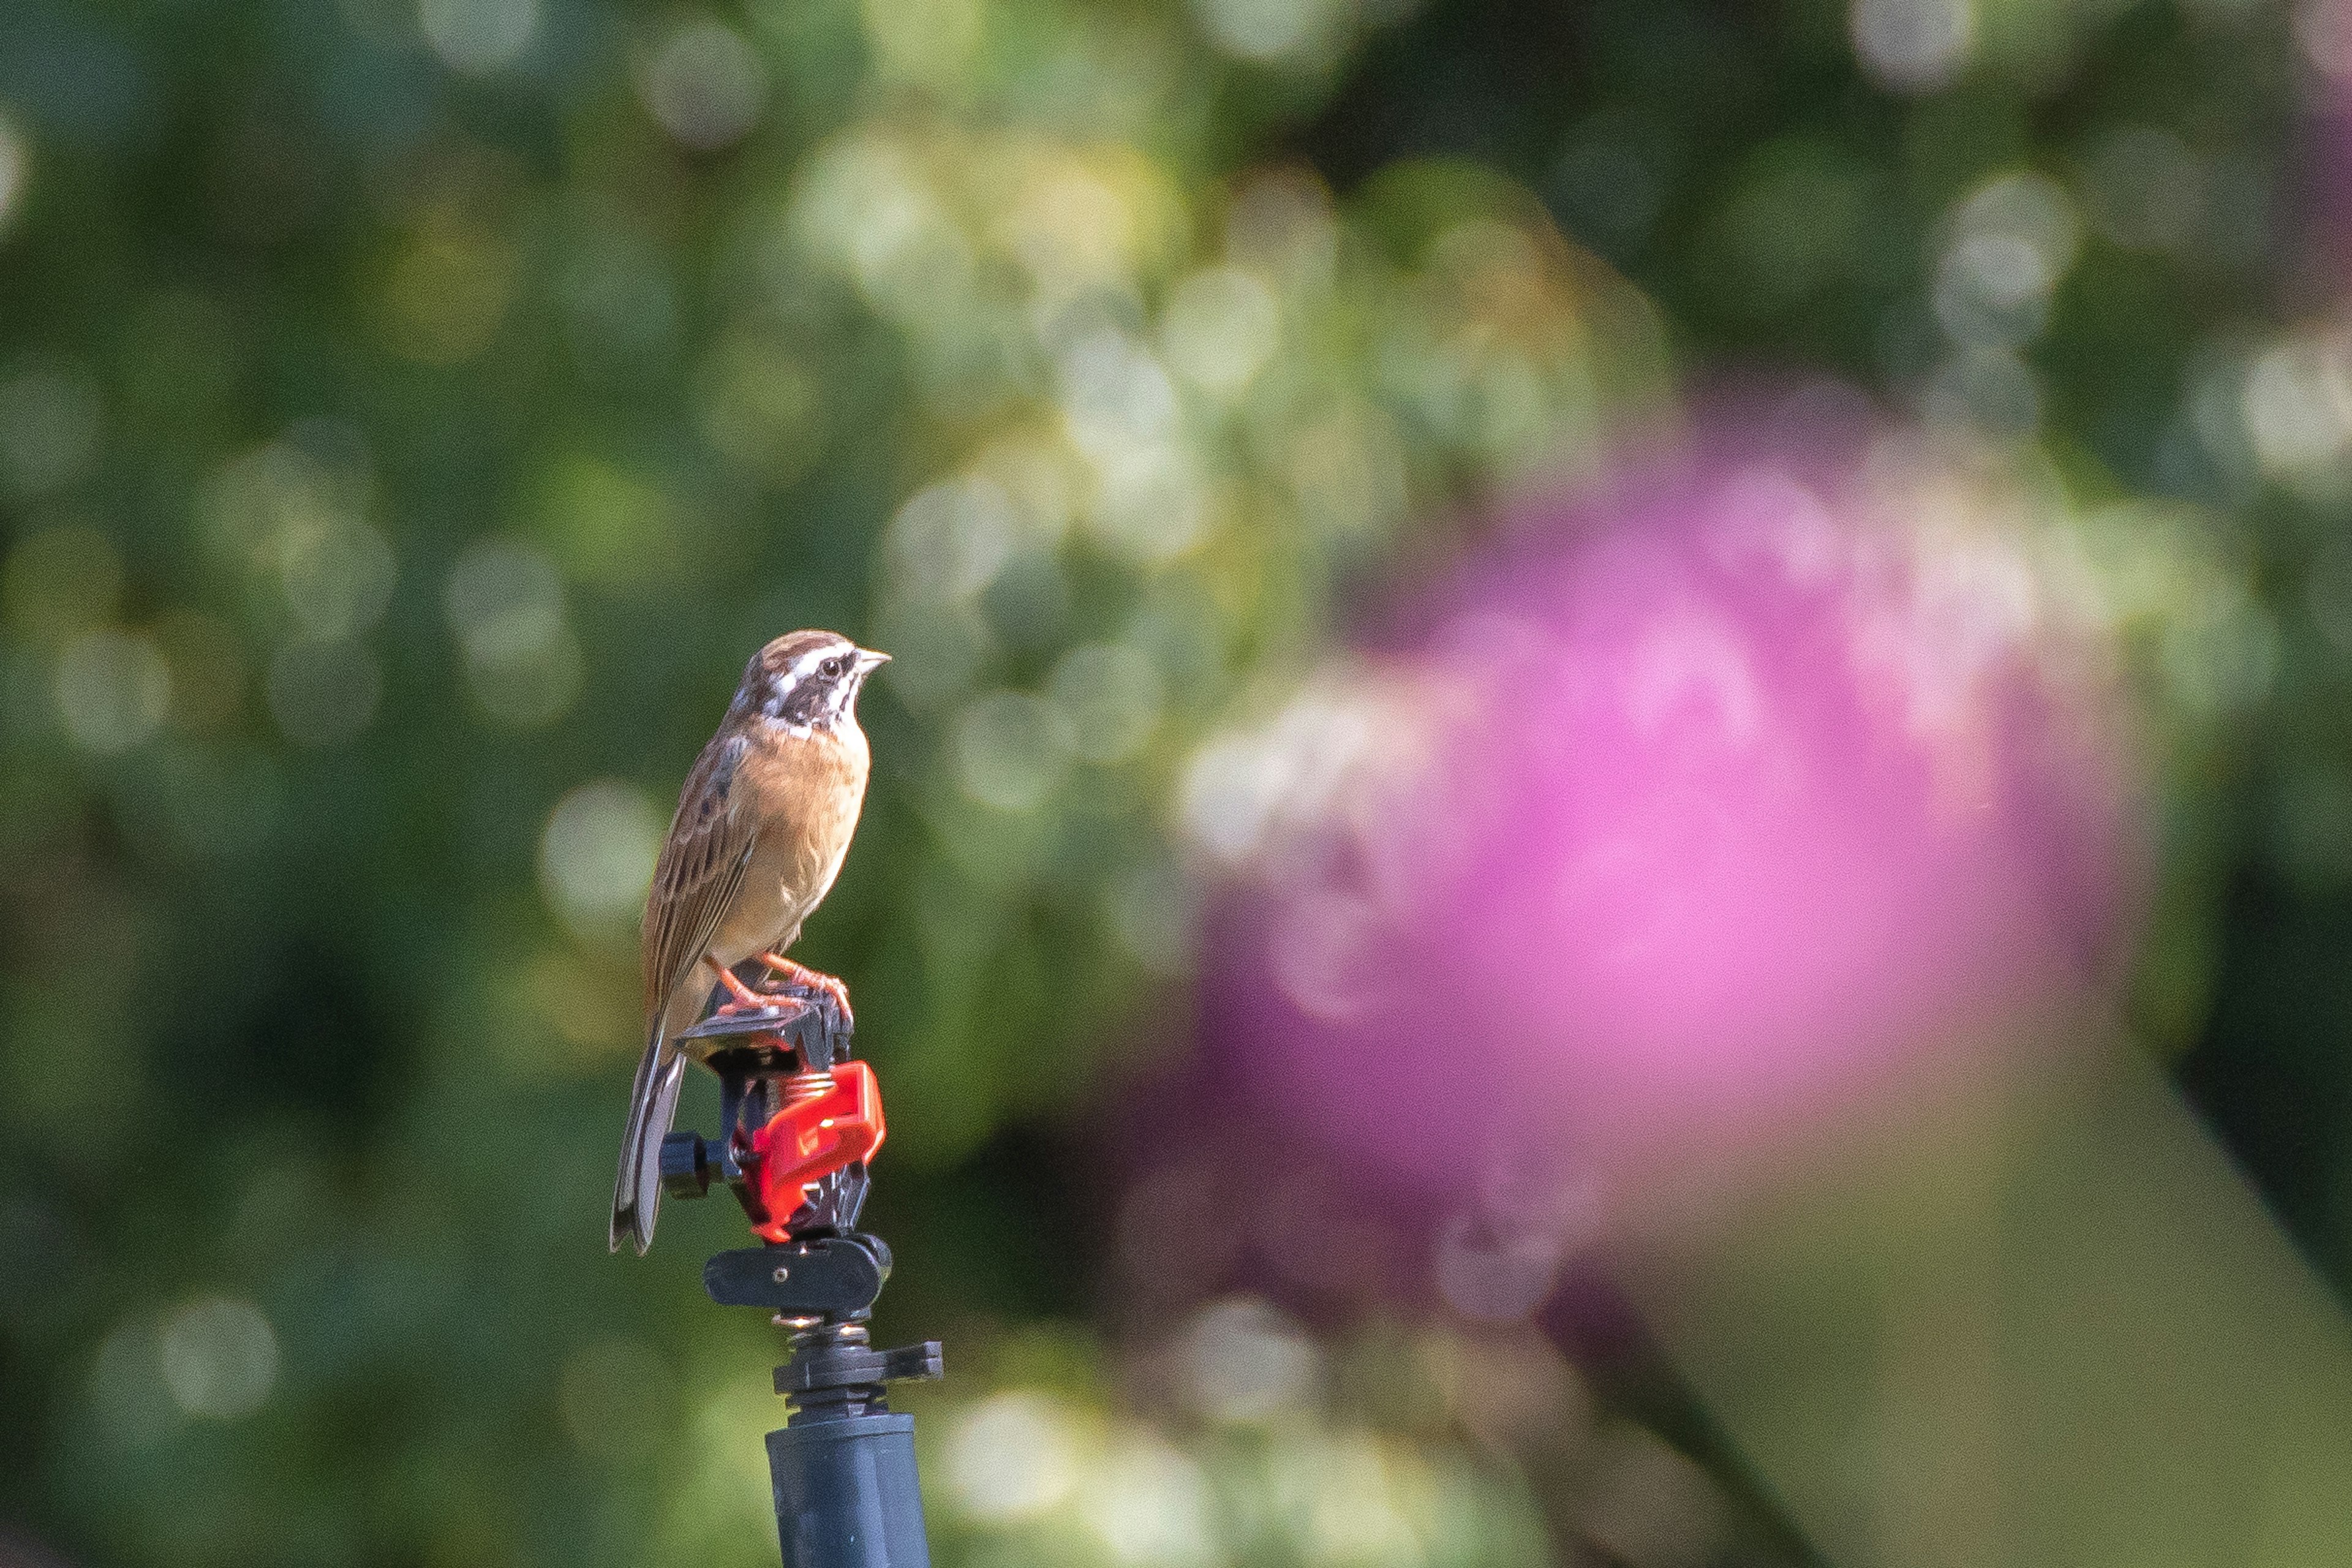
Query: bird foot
(741,999)
(801,976)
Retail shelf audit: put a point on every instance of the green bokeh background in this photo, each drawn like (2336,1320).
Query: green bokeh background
(410,417)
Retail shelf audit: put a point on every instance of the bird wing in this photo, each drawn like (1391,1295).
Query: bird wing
(700,874)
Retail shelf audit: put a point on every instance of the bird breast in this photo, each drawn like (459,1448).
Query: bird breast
(808,791)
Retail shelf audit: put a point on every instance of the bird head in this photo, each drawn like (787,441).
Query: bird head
(807,680)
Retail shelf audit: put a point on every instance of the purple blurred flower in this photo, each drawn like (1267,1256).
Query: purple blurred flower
(1688,818)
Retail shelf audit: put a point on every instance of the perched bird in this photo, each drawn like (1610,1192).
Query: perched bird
(762,827)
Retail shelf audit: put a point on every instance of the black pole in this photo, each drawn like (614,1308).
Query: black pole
(844,1465)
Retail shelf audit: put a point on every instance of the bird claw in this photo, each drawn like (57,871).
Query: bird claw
(801,977)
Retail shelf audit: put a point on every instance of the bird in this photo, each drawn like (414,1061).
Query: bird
(762,825)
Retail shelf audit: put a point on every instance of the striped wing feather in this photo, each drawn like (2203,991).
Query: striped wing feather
(698,876)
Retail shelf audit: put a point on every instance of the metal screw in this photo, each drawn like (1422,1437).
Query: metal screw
(782,1274)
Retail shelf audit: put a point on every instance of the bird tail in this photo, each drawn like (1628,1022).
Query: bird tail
(652,1103)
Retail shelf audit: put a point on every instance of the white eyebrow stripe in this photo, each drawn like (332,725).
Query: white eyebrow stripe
(799,668)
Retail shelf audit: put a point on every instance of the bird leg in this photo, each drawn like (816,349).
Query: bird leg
(744,996)
(808,979)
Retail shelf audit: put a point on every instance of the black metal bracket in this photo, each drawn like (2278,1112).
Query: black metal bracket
(808,1023)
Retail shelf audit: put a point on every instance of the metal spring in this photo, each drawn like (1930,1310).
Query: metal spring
(800,1087)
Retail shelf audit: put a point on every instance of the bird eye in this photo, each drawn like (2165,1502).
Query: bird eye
(837,665)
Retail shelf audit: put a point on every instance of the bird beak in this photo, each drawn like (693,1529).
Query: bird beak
(868,661)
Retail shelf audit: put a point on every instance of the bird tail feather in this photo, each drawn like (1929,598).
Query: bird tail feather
(652,1104)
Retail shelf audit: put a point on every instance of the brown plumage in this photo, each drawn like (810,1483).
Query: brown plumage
(761,828)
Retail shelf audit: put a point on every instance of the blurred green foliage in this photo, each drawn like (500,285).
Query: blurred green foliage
(411,415)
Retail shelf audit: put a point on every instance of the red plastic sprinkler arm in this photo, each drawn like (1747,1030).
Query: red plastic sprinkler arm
(810,1139)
